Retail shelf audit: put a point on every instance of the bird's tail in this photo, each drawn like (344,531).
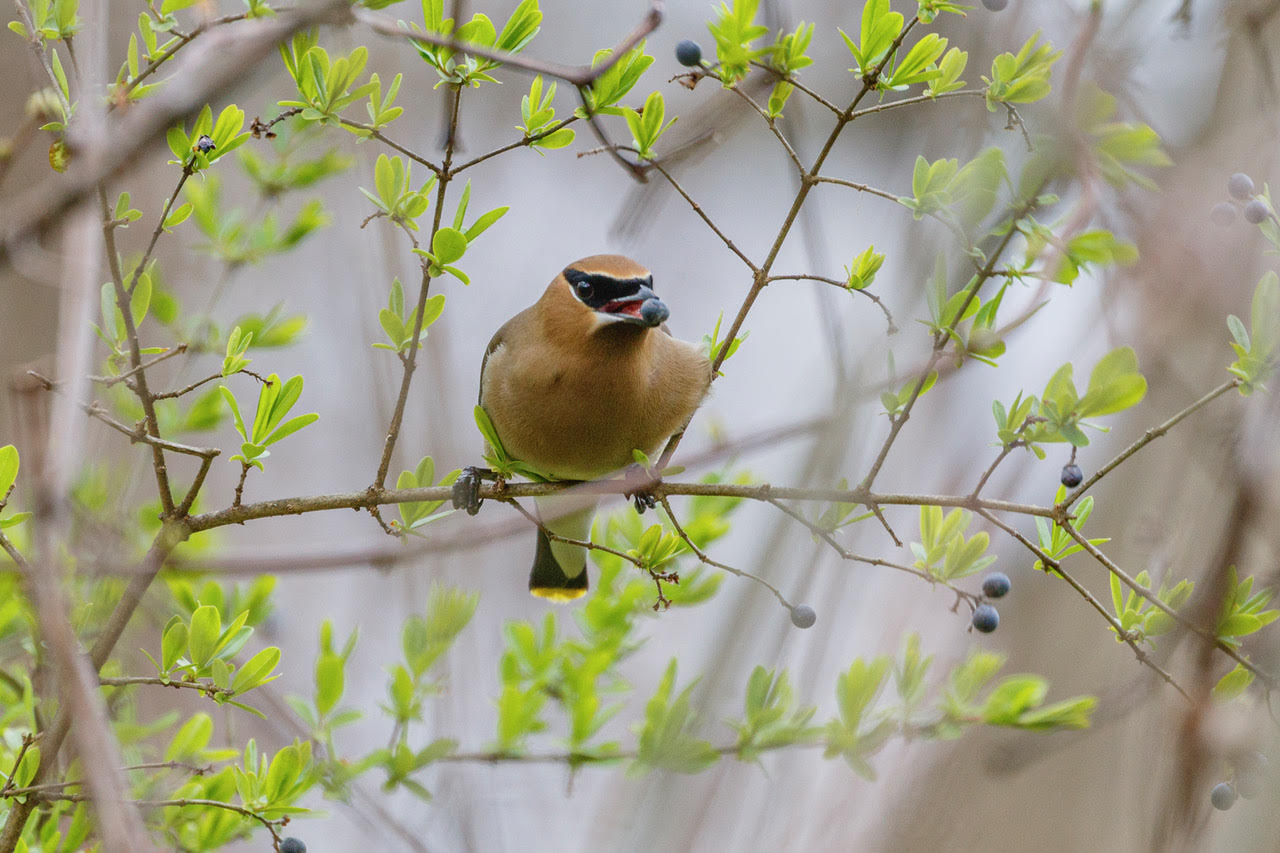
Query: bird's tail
(559,570)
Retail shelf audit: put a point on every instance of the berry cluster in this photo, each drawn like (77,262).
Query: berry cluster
(1255,208)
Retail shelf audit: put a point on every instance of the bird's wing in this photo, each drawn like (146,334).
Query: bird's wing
(494,342)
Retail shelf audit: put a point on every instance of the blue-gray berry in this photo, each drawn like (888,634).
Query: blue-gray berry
(1240,186)
(689,53)
(292,845)
(986,618)
(996,585)
(802,616)
(1223,796)
(1256,212)
(995,5)
(654,312)
(1072,476)
(1223,213)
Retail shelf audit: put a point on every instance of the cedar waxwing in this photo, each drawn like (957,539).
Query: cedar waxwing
(575,383)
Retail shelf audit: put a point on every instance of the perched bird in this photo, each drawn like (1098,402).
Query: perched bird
(576,382)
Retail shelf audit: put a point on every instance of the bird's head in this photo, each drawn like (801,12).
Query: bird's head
(614,289)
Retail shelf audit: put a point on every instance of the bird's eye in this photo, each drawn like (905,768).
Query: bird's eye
(584,289)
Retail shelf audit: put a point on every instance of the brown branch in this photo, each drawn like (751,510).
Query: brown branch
(410,358)
(371,497)
(205,686)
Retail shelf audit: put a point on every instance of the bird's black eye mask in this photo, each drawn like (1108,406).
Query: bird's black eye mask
(597,291)
(630,300)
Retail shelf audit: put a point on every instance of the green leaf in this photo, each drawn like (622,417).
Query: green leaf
(206,627)
(291,426)
(8,468)
(448,245)
(257,670)
(173,643)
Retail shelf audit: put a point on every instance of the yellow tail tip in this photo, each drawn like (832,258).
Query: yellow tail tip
(560,595)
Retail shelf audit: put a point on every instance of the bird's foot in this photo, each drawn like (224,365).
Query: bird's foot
(466,489)
(642,483)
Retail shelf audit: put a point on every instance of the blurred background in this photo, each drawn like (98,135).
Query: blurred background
(1201,72)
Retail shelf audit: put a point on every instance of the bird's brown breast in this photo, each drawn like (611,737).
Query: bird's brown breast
(576,407)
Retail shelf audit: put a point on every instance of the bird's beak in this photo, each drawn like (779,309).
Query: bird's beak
(643,308)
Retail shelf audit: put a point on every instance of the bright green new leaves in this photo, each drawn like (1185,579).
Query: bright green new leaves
(9,463)
(1139,618)
(918,66)
(895,401)
(395,198)
(450,243)
(541,130)
(113,329)
(786,56)
(714,344)
(1055,541)
(930,9)
(1023,78)
(646,125)
(1119,148)
(880,29)
(290,171)
(1256,349)
(124,212)
(1114,385)
(202,650)
(947,78)
(862,272)
(399,327)
(859,730)
(495,453)
(1242,610)
(770,718)
(382,110)
(419,513)
(1059,416)
(656,547)
(605,91)
(1016,702)
(424,640)
(269,426)
(270,787)
(735,31)
(960,195)
(1089,248)
(225,134)
(53,20)
(324,84)
(943,550)
(235,240)
(519,30)
(237,346)
(666,739)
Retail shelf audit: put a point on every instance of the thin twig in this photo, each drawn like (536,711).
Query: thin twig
(1052,566)
(843,285)
(577,75)
(524,142)
(114,380)
(1147,437)
(701,555)
(1150,595)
